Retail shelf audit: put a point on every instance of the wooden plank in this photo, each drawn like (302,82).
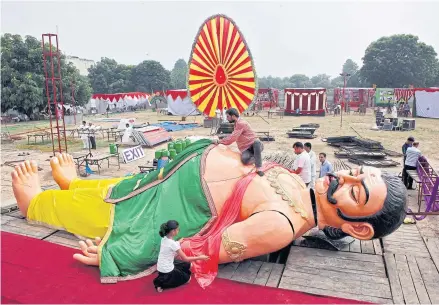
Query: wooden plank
(408,251)
(320,282)
(430,276)
(336,275)
(275,275)
(421,291)
(20,226)
(334,263)
(337,254)
(228,270)
(247,271)
(405,279)
(263,274)
(433,247)
(64,238)
(392,273)
(5,219)
(408,228)
(355,246)
(333,293)
(377,247)
(62,241)
(16,214)
(367,247)
(406,243)
(396,250)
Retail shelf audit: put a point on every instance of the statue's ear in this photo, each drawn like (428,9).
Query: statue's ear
(360,230)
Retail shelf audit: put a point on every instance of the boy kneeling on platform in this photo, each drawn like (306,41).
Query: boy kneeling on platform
(248,143)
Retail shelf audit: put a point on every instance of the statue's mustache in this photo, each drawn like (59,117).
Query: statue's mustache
(332,188)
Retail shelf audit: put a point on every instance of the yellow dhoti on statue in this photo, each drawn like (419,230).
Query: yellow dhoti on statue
(80,210)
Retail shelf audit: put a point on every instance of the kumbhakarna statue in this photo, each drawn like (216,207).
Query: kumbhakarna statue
(226,211)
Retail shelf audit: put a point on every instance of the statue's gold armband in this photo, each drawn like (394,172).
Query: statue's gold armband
(234,249)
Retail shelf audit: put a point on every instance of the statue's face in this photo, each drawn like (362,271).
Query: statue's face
(359,192)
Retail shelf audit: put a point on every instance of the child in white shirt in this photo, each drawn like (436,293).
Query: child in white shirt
(172,274)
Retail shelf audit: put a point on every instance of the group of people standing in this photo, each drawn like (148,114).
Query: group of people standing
(305,164)
(87,133)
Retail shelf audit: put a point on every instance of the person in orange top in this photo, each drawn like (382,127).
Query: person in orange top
(248,143)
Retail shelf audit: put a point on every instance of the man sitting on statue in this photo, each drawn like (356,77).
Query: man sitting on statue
(225,209)
(248,143)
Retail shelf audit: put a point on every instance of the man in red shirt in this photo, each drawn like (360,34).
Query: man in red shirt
(247,141)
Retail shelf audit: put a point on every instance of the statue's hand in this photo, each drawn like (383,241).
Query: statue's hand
(90,251)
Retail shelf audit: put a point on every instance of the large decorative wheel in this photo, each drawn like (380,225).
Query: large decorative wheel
(221,70)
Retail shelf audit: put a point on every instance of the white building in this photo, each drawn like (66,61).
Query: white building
(81,64)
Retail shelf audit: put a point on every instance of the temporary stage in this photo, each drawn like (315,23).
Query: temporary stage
(305,101)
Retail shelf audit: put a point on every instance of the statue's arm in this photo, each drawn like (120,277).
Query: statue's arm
(262,233)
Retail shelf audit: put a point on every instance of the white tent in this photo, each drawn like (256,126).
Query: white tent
(117,101)
(179,103)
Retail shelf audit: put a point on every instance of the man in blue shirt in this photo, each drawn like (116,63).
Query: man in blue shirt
(326,166)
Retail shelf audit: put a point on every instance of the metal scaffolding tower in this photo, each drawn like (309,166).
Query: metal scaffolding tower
(55,102)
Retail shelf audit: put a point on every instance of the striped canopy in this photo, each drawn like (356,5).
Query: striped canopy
(221,69)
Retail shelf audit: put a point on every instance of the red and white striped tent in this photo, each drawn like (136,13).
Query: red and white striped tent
(179,103)
(308,101)
(117,100)
(122,99)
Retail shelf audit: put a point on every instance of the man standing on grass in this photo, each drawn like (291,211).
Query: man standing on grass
(248,143)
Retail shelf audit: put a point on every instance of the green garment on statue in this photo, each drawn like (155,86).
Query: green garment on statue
(134,242)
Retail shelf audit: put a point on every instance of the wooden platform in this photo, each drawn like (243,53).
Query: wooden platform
(412,264)
(335,273)
(400,268)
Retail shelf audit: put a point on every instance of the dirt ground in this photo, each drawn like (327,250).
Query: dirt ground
(425,132)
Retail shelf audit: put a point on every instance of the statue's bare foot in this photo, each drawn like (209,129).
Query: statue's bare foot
(63,170)
(25,184)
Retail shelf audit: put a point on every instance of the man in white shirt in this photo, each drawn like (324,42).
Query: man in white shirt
(313,159)
(91,135)
(224,115)
(302,164)
(127,134)
(412,155)
(83,131)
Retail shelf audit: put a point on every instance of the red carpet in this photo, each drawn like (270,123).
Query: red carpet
(35,271)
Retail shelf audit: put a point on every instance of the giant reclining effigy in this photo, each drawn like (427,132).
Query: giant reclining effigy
(224,208)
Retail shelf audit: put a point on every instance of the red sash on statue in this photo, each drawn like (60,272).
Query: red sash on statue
(210,242)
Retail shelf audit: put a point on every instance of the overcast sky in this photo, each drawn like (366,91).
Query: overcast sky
(285,38)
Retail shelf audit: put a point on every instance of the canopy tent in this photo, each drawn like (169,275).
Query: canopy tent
(426,102)
(305,101)
(354,96)
(179,103)
(118,100)
(263,97)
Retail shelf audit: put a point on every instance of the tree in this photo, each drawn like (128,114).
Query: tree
(321,81)
(399,61)
(179,75)
(350,67)
(150,75)
(300,81)
(23,81)
(107,76)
